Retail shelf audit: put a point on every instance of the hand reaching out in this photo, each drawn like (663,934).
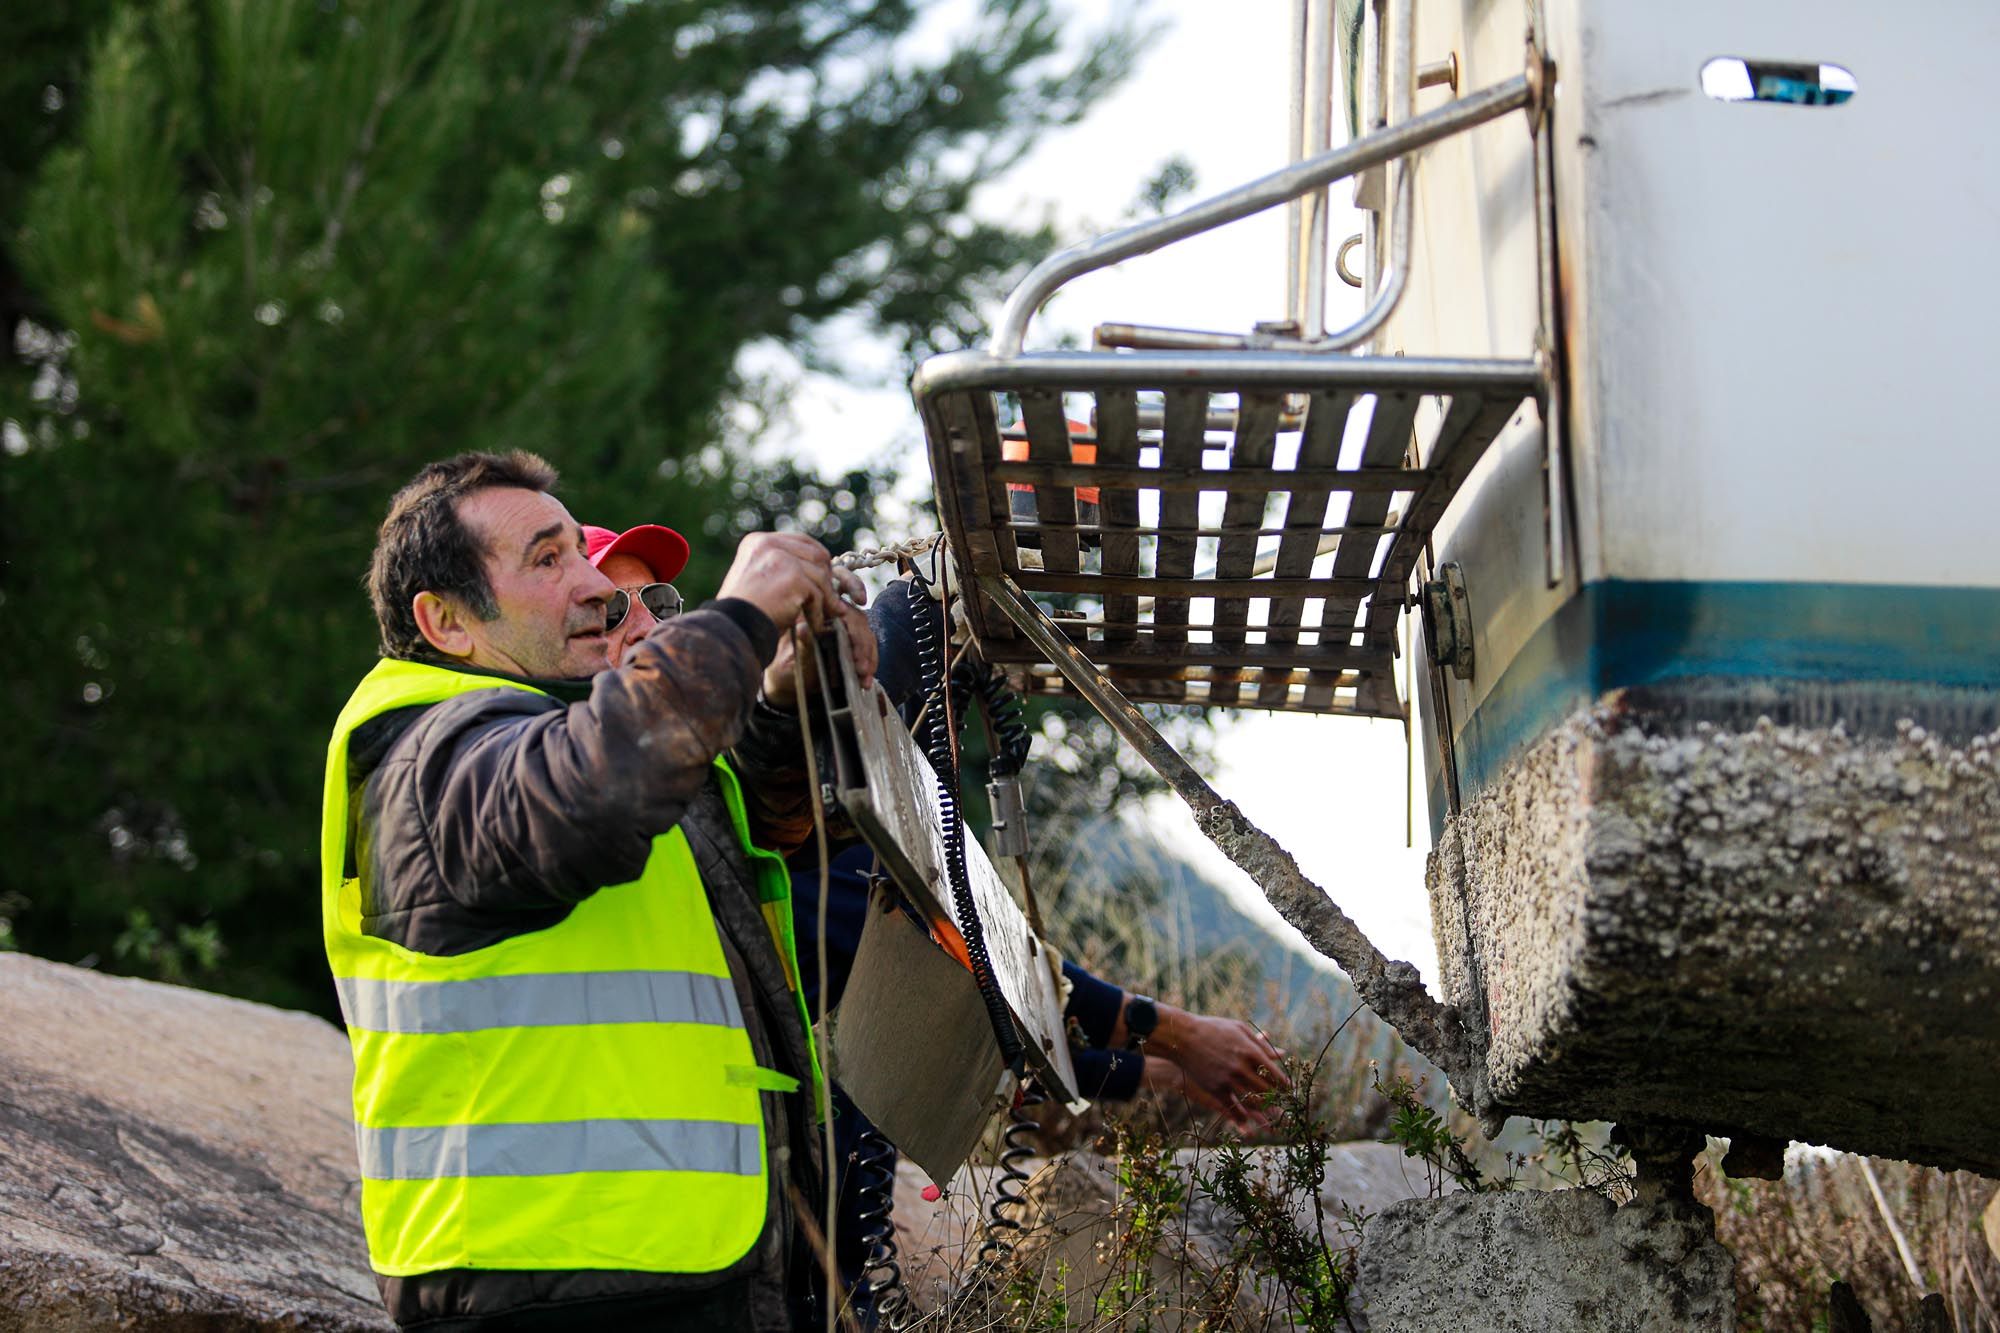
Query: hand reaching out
(1163,1076)
(1225,1064)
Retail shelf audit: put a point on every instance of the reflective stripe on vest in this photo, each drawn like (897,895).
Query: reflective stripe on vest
(580,1096)
(548,999)
(435,1152)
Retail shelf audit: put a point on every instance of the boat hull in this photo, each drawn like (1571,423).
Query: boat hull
(1716,813)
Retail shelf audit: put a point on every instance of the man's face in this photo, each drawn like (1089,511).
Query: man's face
(630,573)
(551,599)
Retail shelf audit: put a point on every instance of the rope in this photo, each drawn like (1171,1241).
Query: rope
(801,645)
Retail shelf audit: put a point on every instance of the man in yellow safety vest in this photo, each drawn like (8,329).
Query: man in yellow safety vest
(564,954)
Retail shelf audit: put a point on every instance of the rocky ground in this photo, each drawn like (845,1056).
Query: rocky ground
(174,1161)
(180,1162)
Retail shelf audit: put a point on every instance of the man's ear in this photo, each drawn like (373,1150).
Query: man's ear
(442,624)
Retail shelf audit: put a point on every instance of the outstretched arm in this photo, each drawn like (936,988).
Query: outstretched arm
(527,805)
(769,757)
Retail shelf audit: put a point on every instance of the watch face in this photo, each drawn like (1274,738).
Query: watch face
(1141,1016)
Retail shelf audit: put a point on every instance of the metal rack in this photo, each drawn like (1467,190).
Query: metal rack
(1332,468)
(1288,598)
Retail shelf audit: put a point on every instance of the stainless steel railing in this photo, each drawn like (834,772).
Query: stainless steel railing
(1391,144)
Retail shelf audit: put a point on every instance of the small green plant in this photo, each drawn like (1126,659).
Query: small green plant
(1313,1278)
(1576,1155)
(1151,1198)
(11,906)
(1422,1133)
(1037,1305)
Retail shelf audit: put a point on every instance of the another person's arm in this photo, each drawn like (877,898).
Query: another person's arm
(769,756)
(1224,1065)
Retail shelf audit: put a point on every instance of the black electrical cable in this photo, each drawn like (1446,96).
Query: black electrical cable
(1003,1215)
(881,1282)
(1003,711)
(938,747)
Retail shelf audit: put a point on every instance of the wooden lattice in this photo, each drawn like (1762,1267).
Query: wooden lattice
(1282,592)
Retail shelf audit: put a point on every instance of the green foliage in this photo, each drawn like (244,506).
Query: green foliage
(1284,1248)
(260,261)
(1423,1133)
(1583,1157)
(189,954)
(783,497)
(1174,180)
(1151,1198)
(1030,1307)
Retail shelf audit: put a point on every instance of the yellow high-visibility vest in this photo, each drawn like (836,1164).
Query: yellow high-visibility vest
(583,1096)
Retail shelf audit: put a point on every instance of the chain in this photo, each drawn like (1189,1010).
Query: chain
(885,555)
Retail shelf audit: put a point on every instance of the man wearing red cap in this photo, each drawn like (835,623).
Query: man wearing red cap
(562,943)
(1220,1064)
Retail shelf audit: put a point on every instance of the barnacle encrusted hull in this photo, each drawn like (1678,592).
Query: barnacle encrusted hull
(1759,907)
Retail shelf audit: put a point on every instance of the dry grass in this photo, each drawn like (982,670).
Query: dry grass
(1821,1224)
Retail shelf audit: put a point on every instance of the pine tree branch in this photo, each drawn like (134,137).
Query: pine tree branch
(356,172)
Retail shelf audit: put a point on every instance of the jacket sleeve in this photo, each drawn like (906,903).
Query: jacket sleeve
(770,760)
(531,806)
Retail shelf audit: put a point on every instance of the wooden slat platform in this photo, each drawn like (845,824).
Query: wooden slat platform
(1260,514)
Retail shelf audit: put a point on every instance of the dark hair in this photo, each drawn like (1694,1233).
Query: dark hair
(424,546)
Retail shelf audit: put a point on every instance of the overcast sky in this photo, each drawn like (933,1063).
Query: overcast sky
(1212,89)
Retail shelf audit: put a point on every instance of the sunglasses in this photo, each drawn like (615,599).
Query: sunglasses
(662,599)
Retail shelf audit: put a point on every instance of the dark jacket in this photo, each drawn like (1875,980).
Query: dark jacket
(494,813)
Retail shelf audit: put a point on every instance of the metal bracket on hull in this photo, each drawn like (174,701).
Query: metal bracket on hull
(1448,620)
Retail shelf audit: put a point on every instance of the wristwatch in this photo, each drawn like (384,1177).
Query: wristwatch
(1141,1017)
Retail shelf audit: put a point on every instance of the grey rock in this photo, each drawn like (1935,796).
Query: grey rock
(1565,1261)
(173,1161)
(1069,1227)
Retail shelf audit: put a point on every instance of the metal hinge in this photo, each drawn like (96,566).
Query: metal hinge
(1448,620)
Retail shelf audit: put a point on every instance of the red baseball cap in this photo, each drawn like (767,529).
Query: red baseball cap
(663,550)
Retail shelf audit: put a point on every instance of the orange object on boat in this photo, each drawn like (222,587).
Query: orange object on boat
(1080,451)
(947,938)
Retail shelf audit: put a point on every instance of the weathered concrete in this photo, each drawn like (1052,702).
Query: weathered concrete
(1529,1262)
(1673,909)
(173,1161)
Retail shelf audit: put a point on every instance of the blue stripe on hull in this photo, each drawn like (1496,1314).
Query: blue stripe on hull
(1621,633)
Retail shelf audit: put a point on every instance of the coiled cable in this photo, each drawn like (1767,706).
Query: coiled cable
(1005,1218)
(880,1286)
(938,747)
(1011,740)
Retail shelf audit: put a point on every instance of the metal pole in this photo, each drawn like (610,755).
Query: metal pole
(1399,105)
(1265,192)
(1558,512)
(1394,990)
(1295,150)
(952,372)
(1308,299)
